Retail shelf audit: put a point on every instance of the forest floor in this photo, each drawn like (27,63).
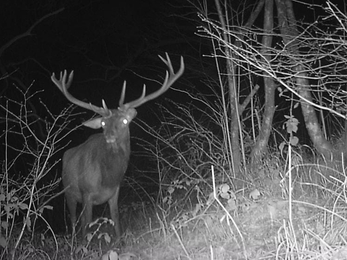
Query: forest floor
(261,221)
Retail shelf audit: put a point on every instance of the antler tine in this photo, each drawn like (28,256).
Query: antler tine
(170,78)
(121,100)
(63,85)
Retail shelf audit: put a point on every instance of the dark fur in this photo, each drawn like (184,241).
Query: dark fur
(94,170)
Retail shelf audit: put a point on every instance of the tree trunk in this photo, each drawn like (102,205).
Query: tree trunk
(260,147)
(289,31)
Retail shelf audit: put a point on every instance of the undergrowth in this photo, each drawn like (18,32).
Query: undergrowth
(293,209)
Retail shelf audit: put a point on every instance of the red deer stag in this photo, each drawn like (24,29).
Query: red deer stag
(93,171)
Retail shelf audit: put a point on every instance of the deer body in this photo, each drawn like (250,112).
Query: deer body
(94,170)
(84,186)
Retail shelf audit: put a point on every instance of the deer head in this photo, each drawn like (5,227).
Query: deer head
(93,171)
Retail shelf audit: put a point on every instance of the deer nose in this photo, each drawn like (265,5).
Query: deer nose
(111,139)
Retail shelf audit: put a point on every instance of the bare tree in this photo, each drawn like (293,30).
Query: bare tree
(301,60)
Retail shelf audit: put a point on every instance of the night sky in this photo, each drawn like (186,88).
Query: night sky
(104,42)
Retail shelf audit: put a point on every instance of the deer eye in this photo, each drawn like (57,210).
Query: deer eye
(103,124)
(125,121)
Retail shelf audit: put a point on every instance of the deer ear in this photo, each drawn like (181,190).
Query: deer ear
(93,123)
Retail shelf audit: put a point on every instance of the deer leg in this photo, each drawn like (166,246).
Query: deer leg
(113,204)
(87,214)
(72,205)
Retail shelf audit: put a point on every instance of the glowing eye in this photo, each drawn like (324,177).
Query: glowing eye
(103,123)
(125,121)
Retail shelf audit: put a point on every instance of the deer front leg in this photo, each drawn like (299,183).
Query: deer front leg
(113,203)
(87,214)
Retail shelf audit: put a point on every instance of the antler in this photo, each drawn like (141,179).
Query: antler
(170,78)
(63,85)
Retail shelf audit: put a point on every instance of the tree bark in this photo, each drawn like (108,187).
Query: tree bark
(260,147)
(289,31)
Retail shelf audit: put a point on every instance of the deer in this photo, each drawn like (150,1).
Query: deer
(92,172)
